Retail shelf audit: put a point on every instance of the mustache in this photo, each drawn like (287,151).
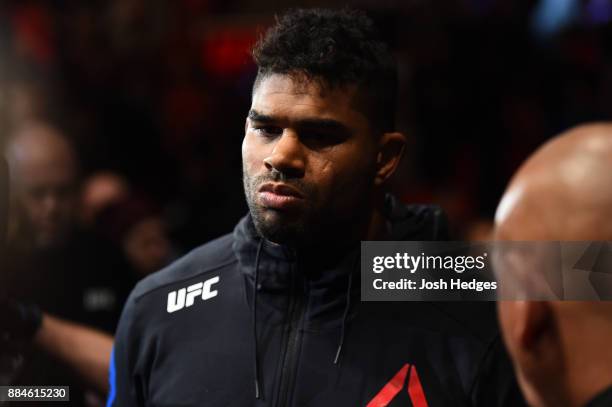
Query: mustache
(258,180)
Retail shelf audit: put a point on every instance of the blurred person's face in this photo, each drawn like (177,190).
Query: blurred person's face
(527,326)
(147,246)
(561,193)
(46,197)
(309,160)
(100,191)
(539,335)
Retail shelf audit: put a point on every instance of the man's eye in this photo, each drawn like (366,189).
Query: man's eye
(317,136)
(268,131)
(318,140)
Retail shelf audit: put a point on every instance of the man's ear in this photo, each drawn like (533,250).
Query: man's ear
(533,322)
(531,333)
(390,150)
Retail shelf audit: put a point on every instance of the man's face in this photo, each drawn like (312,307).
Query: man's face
(147,245)
(309,160)
(46,195)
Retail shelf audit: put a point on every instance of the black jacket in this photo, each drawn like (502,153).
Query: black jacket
(308,342)
(603,399)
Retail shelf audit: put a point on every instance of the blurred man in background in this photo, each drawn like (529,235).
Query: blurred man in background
(44,172)
(52,263)
(101,190)
(561,350)
(137,226)
(46,242)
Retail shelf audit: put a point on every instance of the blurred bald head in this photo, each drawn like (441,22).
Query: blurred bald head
(100,191)
(562,192)
(44,179)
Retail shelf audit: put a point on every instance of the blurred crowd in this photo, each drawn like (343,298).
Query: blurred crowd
(122,122)
(155,93)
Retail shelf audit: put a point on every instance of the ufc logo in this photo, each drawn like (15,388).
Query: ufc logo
(185,297)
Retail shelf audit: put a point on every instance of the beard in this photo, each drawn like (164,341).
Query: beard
(292,227)
(317,221)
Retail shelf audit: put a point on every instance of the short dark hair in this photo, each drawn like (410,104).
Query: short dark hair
(337,48)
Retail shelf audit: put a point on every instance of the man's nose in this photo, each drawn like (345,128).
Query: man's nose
(287,156)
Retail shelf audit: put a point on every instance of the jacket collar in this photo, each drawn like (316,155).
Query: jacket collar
(277,262)
(282,271)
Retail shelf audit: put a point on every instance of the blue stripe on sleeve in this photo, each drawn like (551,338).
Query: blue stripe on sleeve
(112,377)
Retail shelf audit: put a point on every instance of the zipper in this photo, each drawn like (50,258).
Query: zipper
(292,347)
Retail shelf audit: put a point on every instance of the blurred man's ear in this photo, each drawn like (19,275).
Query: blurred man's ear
(535,321)
(390,150)
(531,333)
(526,323)
(527,327)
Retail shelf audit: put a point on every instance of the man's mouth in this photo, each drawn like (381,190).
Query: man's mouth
(279,196)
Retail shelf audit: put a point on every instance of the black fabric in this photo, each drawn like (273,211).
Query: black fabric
(19,321)
(603,399)
(202,354)
(84,281)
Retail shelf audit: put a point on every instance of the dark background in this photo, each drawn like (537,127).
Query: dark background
(158,90)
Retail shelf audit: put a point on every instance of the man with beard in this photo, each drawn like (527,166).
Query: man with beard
(270,314)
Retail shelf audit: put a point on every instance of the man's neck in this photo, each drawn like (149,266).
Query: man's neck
(592,381)
(373,226)
(586,371)
(378,226)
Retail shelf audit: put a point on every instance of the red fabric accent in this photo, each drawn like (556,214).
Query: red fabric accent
(391,389)
(415,389)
